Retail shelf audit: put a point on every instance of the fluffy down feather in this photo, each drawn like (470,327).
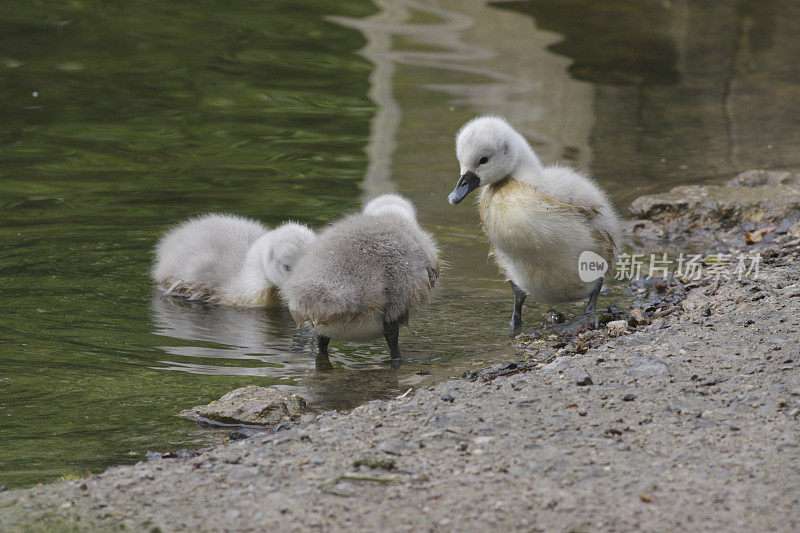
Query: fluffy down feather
(228,259)
(363,268)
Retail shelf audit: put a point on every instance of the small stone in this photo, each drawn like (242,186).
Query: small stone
(782,403)
(628,397)
(262,406)
(583,380)
(238,435)
(375,462)
(448,398)
(646,498)
(617,327)
(636,318)
(551,317)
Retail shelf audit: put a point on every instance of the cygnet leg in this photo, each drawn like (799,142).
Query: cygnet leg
(323,362)
(391,331)
(589,316)
(322,343)
(519,299)
(591,306)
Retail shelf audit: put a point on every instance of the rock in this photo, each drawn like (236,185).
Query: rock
(646,367)
(559,364)
(758,177)
(750,203)
(794,231)
(254,405)
(636,318)
(722,206)
(583,380)
(617,327)
(752,237)
(375,462)
(695,304)
(785,225)
(551,317)
(448,398)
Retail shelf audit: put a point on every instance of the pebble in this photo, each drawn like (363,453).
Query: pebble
(583,380)
(628,397)
(617,327)
(448,398)
(551,317)
(636,317)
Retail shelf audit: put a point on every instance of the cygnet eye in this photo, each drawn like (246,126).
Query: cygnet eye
(287,268)
(483,160)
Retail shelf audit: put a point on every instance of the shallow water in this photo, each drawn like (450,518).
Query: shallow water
(120,121)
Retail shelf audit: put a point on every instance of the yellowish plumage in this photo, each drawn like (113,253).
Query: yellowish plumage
(537,238)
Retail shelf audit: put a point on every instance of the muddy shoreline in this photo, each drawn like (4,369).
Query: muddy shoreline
(686,419)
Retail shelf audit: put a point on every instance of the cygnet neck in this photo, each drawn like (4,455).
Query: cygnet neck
(252,273)
(529,165)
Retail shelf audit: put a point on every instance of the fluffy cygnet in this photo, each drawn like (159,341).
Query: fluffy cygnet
(228,259)
(539,219)
(364,275)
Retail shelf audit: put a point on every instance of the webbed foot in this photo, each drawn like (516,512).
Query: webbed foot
(588,320)
(585,321)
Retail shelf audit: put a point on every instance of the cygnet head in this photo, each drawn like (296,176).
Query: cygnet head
(488,150)
(281,248)
(391,204)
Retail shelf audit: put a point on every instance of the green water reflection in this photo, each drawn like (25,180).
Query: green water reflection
(119,120)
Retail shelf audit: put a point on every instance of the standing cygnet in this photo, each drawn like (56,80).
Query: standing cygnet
(364,275)
(228,259)
(538,219)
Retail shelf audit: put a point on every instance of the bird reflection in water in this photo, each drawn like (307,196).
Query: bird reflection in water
(269,345)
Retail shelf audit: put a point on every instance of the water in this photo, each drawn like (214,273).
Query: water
(119,121)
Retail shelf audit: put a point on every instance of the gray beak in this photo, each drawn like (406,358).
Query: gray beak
(466,184)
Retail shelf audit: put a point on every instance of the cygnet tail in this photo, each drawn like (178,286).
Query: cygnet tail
(316,303)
